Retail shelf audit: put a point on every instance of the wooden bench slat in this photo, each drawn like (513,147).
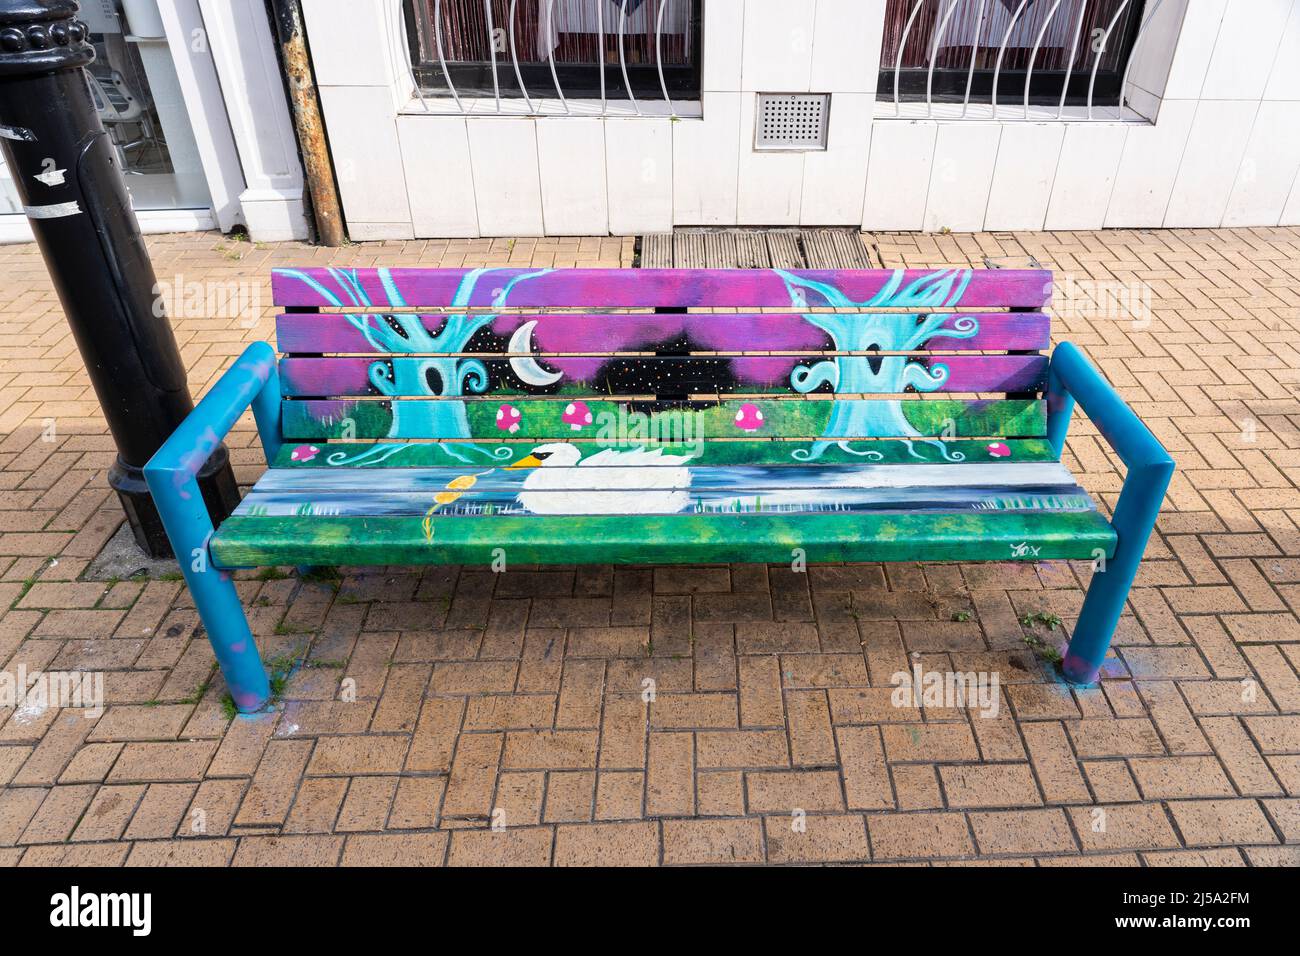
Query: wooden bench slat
(538,419)
(574,332)
(657,288)
(615,376)
(680,539)
(639,483)
(454,455)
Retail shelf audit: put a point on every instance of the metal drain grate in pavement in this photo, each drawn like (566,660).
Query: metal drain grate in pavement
(757,249)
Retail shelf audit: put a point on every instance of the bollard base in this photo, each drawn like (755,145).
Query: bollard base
(216,481)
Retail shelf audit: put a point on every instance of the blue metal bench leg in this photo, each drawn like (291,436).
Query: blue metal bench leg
(171,475)
(1111,581)
(232,640)
(1071,378)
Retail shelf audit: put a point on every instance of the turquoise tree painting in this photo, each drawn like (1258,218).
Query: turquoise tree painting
(879,374)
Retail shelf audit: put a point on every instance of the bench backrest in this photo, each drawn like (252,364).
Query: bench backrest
(826,358)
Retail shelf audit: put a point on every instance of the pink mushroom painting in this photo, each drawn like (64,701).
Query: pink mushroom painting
(999,450)
(577,414)
(304,453)
(749,418)
(508,418)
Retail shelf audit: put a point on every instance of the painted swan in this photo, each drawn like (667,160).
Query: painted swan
(609,482)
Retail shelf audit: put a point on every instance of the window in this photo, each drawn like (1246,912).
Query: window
(490,46)
(970,33)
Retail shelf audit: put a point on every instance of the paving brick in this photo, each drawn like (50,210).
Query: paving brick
(550,749)
(623,733)
(741,748)
(58,814)
(990,785)
(1133,826)
(519,799)
(109,812)
(917,786)
(315,805)
(182,853)
(713,842)
(182,809)
(619,795)
(1161,778)
(787,791)
(275,783)
(415,805)
(1221,822)
(607,844)
(670,775)
(508,847)
(367,803)
(569,796)
(473,775)
(928,743)
(816,839)
(919,835)
(692,711)
(1023,831)
(359,755)
(398,849)
(288,851)
(162,762)
(760,692)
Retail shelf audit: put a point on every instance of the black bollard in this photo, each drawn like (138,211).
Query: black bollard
(71,186)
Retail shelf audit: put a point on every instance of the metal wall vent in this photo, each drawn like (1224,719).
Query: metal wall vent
(792,120)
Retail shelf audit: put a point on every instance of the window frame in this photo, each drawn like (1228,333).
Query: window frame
(474,80)
(949,84)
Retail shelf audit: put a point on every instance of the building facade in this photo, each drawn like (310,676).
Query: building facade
(464,118)
(191,95)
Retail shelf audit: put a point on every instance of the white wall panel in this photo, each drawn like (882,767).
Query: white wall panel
(835,182)
(846,45)
(367,155)
(1023,176)
(507,187)
(724,26)
(571,161)
(1210,163)
(898,175)
(1268,169)
(639,169)
(1284,83)
(1085,176)
(1195,48)
(771,181)
(438,171)
(706,156)
(1246,49)
(1148,167)
(961,176)
(778,43)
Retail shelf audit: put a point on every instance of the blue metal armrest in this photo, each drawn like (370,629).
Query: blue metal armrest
(172,477)
(1072,378)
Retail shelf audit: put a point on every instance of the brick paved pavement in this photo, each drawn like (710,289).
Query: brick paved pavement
(521,695)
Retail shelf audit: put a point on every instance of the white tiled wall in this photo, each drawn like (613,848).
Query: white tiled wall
(1220,77)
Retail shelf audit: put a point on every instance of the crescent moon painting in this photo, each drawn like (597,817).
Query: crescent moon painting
(529,372)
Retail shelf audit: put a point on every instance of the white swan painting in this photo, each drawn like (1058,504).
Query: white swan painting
(556,480)
(609,482)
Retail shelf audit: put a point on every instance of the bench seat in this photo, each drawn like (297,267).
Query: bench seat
(659,508)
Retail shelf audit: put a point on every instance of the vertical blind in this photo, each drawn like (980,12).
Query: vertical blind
(572,33)
(967,31)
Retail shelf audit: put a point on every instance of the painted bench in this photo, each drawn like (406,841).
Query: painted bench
(516,417)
